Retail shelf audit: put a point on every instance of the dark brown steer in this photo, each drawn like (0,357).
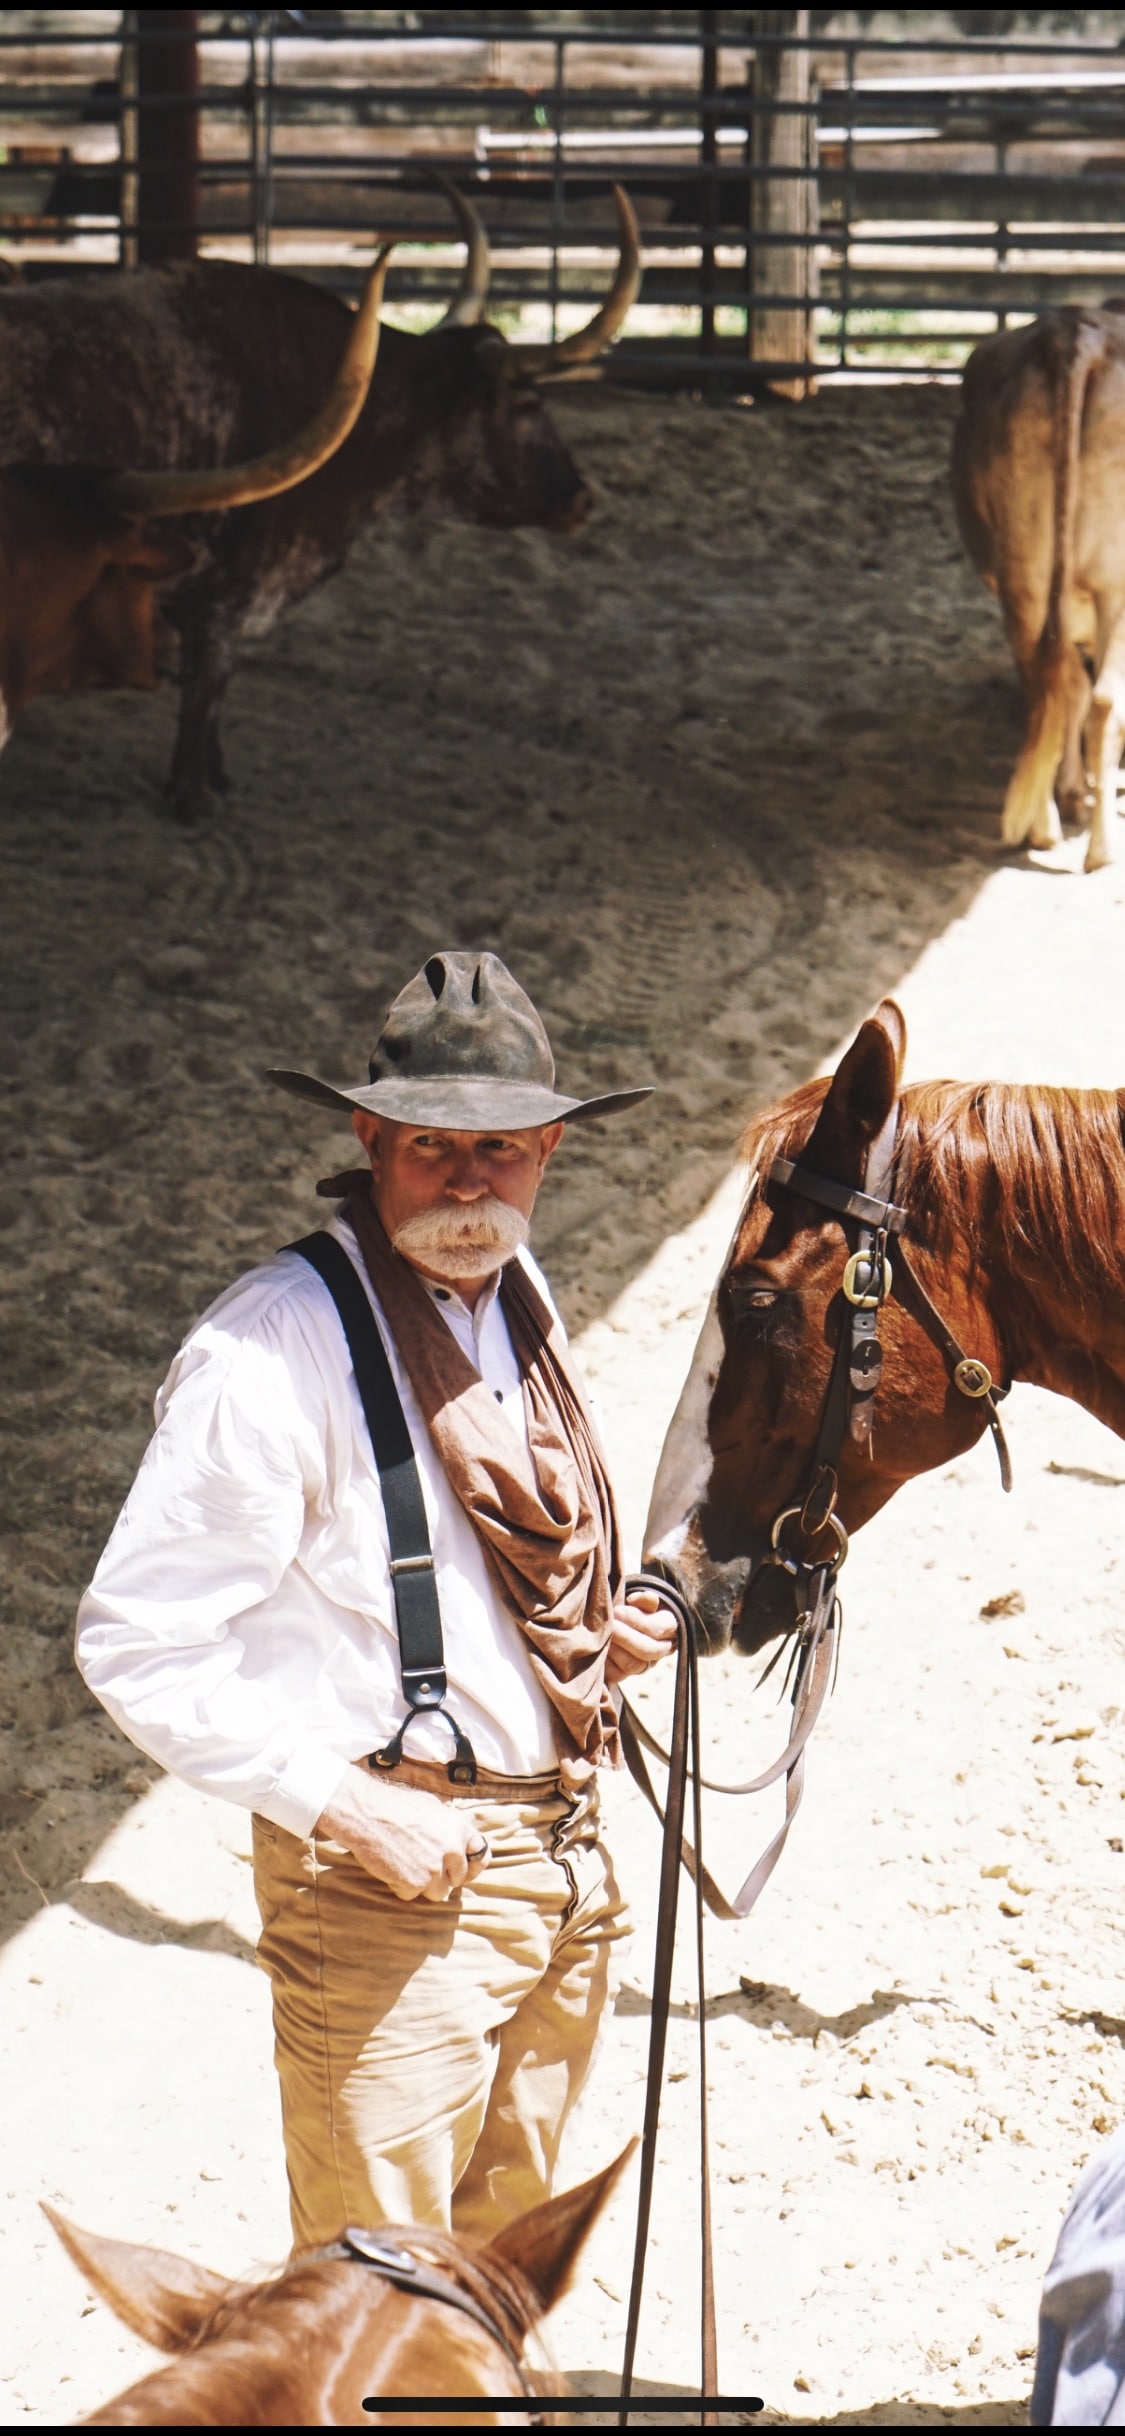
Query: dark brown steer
(1039,489)
(212,365)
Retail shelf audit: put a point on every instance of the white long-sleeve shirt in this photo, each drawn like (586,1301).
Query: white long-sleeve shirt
(240,1626)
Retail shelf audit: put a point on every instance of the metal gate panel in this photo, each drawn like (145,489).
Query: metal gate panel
(812,207)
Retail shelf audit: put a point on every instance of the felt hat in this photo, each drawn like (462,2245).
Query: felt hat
(462,1047)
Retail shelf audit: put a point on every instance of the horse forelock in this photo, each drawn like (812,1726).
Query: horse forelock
(1023,1173)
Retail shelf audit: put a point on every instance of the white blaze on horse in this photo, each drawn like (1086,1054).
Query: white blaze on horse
(1039,490)
(841,1356)
(401,2312)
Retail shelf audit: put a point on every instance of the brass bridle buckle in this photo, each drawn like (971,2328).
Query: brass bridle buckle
(972,1377)
(878,1279)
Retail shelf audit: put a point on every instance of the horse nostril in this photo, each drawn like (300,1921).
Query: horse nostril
(767,1609)
(717,1597)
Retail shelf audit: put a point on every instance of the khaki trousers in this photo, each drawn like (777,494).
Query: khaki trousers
(430,2053)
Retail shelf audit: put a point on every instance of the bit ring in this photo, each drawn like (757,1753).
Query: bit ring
(792,1564)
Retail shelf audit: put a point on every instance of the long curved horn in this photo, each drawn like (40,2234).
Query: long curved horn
(467,307)
(582,345)
(228,486)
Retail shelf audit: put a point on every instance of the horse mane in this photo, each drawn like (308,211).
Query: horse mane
(500,2290)
(1028,1174)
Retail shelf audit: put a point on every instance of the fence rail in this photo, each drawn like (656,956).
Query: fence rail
(812,206)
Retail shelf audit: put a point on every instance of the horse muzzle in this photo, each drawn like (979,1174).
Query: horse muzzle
(741,1603)
(712,1590)
(767,1608)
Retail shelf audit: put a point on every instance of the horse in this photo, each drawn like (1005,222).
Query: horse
(901,1258)
(403,2311)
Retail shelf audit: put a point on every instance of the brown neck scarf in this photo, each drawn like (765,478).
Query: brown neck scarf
(547,1524)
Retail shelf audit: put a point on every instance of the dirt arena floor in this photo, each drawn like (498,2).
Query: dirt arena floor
(711,777)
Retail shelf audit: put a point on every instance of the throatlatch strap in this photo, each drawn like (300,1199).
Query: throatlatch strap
(413,1583)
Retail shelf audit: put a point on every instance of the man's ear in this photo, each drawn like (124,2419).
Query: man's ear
(366,1128)
(549,1141)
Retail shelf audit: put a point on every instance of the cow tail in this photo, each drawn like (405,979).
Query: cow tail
(1085,354)
(1028,807)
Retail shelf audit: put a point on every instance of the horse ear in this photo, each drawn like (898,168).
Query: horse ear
(544,2245)
(861,1094)
(166,2300)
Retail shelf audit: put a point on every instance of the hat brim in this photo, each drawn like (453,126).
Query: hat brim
(464,1103)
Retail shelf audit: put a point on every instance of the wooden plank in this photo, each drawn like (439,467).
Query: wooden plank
(784,200)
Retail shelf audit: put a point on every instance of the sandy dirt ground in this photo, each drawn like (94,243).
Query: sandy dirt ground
(711,777)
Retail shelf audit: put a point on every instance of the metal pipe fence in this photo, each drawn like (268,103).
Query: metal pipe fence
(813,206)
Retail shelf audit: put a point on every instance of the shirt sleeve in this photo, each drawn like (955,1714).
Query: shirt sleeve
(214,1519)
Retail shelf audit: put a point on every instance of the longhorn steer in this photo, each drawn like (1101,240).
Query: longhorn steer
(1039,490)
(213,365)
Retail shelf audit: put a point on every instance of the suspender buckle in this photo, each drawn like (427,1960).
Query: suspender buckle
(423,1687)
(461,1769)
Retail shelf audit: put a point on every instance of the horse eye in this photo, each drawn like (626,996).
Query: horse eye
(751,1301)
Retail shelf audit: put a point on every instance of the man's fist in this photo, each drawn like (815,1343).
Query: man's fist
(643,1631)
(416,1844)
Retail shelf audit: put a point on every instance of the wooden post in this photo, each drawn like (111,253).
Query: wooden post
(127,204)
(160,134)
(709,167)
(784,140)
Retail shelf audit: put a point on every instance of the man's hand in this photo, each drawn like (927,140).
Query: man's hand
(643,1632)
(411,1841)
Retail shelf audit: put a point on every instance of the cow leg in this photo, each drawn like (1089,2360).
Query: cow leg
(1105,732)
(198,772)
(1072,783)
(1030,815)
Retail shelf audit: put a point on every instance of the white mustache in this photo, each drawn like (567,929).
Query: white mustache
(466,1241)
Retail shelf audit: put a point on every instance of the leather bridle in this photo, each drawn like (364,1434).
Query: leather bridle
(397,2265)
(867,1282)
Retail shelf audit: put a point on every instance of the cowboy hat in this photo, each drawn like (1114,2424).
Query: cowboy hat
(462,1047)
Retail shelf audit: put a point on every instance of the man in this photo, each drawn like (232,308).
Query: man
(1080,2364)
(438,1911)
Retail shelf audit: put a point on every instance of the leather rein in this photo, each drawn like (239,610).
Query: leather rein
(795,1534)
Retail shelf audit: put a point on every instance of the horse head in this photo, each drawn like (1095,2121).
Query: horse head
(741,1448)
(404,2311)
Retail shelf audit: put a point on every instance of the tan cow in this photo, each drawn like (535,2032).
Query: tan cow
(1039,490)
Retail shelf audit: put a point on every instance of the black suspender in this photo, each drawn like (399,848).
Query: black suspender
(414,1588)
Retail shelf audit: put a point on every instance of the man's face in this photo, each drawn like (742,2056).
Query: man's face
(456,1204)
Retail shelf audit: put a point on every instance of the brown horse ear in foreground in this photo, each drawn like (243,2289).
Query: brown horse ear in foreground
(164,2299)
(307,2347)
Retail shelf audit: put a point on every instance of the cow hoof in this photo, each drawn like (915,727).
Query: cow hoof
(1098,860)
(189,806)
